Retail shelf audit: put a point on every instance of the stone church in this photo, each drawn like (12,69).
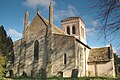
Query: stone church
(60,52)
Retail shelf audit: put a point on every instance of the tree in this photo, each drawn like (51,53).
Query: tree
(2,64)
(3,39)
(109,16)
(117,59)
(6,50)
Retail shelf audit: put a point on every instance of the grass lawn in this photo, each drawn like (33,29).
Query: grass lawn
(84,78)
(58,78)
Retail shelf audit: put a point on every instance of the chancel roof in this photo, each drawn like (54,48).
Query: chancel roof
(100,54)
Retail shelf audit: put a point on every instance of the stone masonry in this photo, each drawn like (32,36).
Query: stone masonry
(47,48)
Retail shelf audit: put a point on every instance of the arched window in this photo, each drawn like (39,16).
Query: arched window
(65,58)
(36,50)
(68,30)
(73,30)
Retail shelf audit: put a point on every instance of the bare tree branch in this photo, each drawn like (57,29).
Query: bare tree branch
(108,13)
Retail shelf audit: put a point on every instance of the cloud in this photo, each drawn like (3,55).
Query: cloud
(95,23)
(36,3)
(91,31)
(70,11)
(14,34)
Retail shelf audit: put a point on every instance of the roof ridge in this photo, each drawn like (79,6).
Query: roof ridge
(54,26)
(99,47)
(42,19)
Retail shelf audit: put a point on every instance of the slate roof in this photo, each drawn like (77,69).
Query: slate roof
(99,54)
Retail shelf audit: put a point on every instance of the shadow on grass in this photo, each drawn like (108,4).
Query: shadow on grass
(84,78)
(60,78)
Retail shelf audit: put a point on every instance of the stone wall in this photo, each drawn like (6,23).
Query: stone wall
(101,68)
(30,63)
(82,53)
(24,50)
(63,45)
(36,29)
(19,51)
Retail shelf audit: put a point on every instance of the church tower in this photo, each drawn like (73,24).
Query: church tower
(25,23)
(75,26)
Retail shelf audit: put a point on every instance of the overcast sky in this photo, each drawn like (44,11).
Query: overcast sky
(12,14)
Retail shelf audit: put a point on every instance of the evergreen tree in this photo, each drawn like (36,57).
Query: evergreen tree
(117,60)
(3,37)
(6,50)
(2,63)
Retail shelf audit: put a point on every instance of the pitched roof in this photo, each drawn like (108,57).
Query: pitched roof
(55,29)
(82,43)
(99,54)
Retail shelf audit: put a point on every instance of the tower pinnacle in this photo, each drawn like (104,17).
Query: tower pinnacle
(25,22)
(51,13)
(38,11)
(26,19)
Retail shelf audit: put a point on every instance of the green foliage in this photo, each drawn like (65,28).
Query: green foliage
(68,78)
(6,44)
(2,65)
(117,60)
(6,50)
